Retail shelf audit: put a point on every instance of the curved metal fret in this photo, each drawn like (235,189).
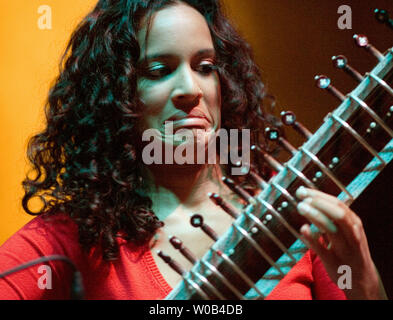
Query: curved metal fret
(381,82)
(270,234)
(326,170)
(358,137)
(301,176)
(372,113)
(223,279)
(239,272)
(258,248)
(262,183)
(311,150)
(272,162)
(197,288)
(285,193)
(273,211)
(208,284)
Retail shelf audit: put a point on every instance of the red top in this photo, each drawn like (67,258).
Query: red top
(134,275)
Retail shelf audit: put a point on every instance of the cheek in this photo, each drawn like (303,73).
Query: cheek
(154,99)
(214,99)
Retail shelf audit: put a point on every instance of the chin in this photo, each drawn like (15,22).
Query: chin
(191,149)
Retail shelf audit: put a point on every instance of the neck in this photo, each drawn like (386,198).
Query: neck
(173,186)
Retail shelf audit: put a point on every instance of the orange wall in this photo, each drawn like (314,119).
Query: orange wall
(28,64)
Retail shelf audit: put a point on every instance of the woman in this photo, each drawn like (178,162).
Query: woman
(137,65)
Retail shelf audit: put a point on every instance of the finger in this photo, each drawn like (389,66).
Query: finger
(316,217)
(337,238)
(342,216)
(303,193)
(350,236)
(312,239)
(333,210)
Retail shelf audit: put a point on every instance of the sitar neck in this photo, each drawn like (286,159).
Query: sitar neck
(342,158)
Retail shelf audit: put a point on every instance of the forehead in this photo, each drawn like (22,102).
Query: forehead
(177,27)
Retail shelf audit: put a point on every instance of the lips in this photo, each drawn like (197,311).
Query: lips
(194,113)
(191,123)
(195,119)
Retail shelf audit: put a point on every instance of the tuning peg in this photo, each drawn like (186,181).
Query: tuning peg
(277,166)
(273,134)
(238,189)
(341,62)
(323,82)
(242,168)
(258,179)
(197,222)
(273,163)
(382,16)
(228,208)
(172,263)
(289,119)
(178,245)
(253,173)
(362,42)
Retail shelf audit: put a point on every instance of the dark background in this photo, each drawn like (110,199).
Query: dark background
(294,40)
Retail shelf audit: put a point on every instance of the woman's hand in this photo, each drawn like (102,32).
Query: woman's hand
(341,240)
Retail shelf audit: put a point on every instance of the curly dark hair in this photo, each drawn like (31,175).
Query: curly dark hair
(86,161)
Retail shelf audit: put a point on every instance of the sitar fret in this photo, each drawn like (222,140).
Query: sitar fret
(339,151)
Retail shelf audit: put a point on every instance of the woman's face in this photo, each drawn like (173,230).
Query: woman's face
(178,82)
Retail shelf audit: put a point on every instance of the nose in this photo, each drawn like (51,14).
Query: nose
(187,92)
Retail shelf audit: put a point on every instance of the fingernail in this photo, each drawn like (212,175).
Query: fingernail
(301,192)
(332,228)
(304,228)
(305,209)
(339,213)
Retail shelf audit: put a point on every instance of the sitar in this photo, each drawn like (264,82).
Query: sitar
(350,149)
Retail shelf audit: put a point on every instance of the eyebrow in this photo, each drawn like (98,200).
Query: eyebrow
(202,52)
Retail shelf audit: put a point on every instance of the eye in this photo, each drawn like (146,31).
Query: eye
(206,67)
(156,71)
